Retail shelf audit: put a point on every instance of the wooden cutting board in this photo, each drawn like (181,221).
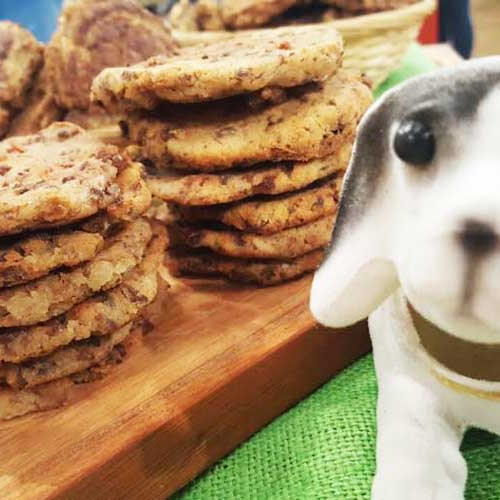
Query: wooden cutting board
(221,362)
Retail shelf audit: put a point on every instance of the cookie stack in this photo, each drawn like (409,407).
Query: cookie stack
(245,143)
(78,264)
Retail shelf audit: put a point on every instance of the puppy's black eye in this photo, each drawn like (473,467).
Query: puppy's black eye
(414,143)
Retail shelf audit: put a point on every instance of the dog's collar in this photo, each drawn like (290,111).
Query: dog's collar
(470,359)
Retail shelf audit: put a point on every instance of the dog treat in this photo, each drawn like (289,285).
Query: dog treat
(247,62)
(285,244)
(262,272)
(55,177)
(211,189)
(98,315)
(55,293)
(96,34)
(312,125)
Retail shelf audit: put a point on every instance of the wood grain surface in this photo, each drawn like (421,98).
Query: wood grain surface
(221,362)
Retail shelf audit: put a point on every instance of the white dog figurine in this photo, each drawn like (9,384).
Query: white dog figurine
(417,248)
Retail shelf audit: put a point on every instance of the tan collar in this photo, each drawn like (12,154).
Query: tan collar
(470,359)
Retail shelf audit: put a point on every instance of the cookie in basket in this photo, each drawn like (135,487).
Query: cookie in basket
(246,62)
(261,272)
(232,185)
(20,59)
(251,13)
(312,123)
(96,34)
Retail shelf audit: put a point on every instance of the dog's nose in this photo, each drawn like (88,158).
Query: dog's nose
(477,238)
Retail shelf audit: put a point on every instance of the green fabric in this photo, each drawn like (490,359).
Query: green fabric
(324,448)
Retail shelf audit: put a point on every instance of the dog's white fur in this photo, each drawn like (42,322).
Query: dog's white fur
(403,247)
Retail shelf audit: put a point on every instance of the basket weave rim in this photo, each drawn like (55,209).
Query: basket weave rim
(375,21)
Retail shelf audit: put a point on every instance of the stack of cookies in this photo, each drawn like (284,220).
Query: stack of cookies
(245,143)
(78,264)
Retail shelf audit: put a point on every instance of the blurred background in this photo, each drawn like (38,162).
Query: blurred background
(39,16)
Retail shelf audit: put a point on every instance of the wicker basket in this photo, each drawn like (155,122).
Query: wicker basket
(374,43)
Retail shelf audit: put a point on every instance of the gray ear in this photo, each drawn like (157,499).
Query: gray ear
(358,273)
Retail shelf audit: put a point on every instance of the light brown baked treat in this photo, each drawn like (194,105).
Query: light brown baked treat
(15,403)
(100,314)
(312,125)
(210,189)
(36,254)
(20,59)
(97,34)
(135,196)
(283,57)
(92,118)
(56,293)
(367,6)
(251,13)
(73,358)
(55,177)
(271,215)
(39,111)
(286,244)
(203,15)
(262,272)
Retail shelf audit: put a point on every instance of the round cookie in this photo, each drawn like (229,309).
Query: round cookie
(272,214)
(245,62)
(15,403)
(58,176)
(95,35)
(310,124)
(135,196)
(56,293)
(262,272)
(35,255)
(73,358)
(283,245)
(20,58)
(40,110)
(251,13)
(100,314)
(211,189)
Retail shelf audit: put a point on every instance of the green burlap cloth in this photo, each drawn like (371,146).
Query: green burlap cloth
(324,448)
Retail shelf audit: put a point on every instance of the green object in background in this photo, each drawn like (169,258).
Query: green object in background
(324,448)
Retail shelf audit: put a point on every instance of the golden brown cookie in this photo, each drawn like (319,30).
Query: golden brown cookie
(262,272)
(210,189)
(251,13)
(203,15)
(246,62)
(271,214)
(100,314)
(313,124)
(135,196)
(40,110)
(286,244)
(97,34)
(56,293)
(60,175)
(20,59)
(15,403)
(29,257)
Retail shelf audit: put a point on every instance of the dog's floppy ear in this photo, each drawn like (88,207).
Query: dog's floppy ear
(358,273)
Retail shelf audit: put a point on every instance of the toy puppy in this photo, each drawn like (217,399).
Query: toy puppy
(416,248)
